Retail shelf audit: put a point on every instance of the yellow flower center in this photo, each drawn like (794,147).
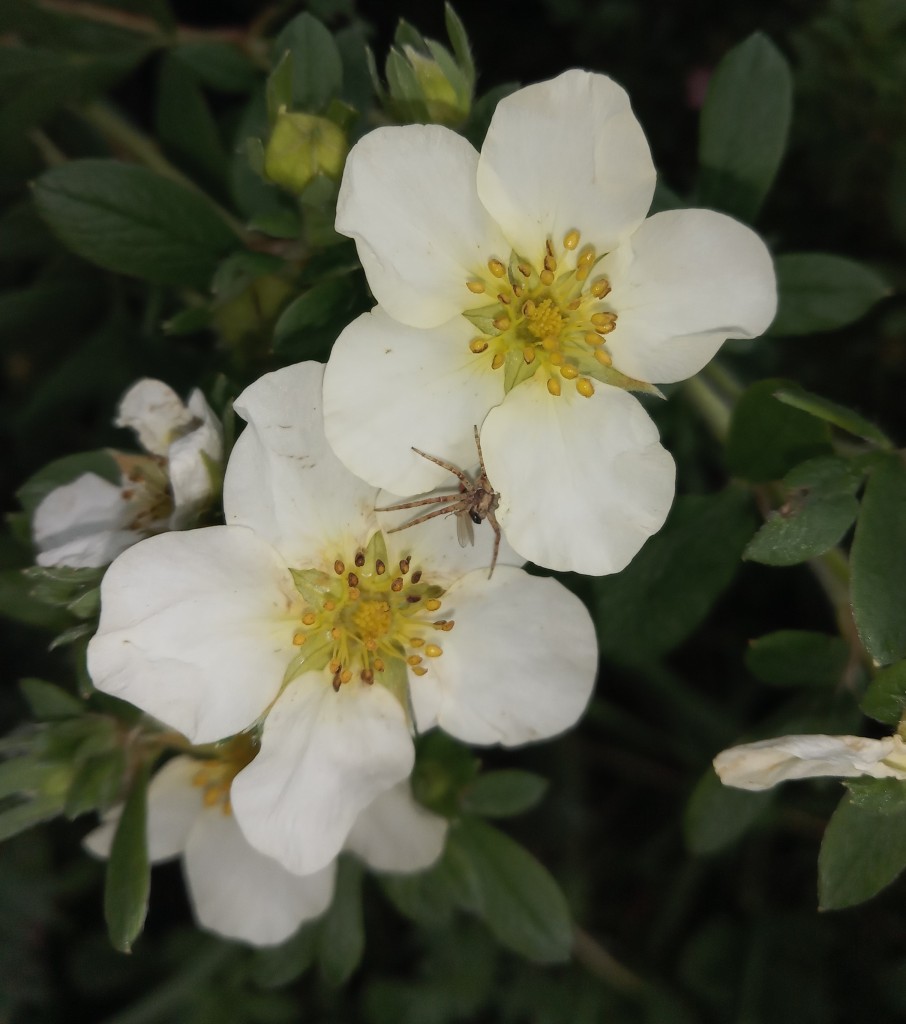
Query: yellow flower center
(549,317)
(369,619)
(215,775)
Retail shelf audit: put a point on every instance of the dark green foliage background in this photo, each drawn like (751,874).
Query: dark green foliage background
(711,904)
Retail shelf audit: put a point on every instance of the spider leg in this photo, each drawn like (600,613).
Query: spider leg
(445,465)
(478,446)
(421,501)
(425,518)
(492,519)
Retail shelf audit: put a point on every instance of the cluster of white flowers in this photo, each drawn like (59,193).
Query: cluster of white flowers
(522,297)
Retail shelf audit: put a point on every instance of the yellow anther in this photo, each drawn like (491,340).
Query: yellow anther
(557,359)
(592,339)
(299,639)
(549,247)
(528,308)
(524,269)
(404,565)
(550,344)
(571,239)
(379,664)
(517,290)
(379,567)
(433,651)
(397,585)
(498,361)
(587,256)
(569,371)
(335,633)
(496,268)
(432,605)
(475,287)
(354,593)
(528,354)
(367,675)
(415,659)
(553,386)
(417,641)
(420,670)
(478,345)
(582,273)
(574,304)
(309,618)
(604,357)
(338,567)
(334,666)
(447,625)
(546,277)
(585,387)
(607,328)
(329,606)
(504,298)
(600,287)
(345,675)
(370,644)
(502,323)
(603,319)
(550,263)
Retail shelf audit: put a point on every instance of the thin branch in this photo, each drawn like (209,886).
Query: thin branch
(595,958)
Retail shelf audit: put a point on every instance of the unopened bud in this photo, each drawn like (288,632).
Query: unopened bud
(301,147)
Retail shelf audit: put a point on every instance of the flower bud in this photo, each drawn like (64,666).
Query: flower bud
(301,147)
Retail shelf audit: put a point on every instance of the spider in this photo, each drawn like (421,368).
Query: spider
(475,502)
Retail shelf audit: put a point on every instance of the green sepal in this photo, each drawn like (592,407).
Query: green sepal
(516,370)
(483,318)
(589,366)
(313,584)
(375,550)
(395,679)
(313,657)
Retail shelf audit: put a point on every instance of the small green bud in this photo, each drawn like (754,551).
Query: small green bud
(301,147)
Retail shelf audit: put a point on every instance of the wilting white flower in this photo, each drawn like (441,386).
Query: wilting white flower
(522,290)
(240,893)
(298,617)
(89,521)
(764,764)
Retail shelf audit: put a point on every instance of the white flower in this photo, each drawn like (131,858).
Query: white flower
(522,290)
(300,618)
(764,764)
(89,521)
(240,893)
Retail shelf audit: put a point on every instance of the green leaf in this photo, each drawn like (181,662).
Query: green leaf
(49,702)
(19,604)
(863,851)
(878,564)
(26,776)
(519,901)
(880,796)
(96,783)
(833,413)
(670,586)
(317,67)
(26,815)
(186,126)
(279,965)
(311,323)
(218,65)
(885,698)
(819,508)
(503,794)
(820,292)
(768,438)
(744,126)
(342,938)
(128,882)
(795,657)
(718,815)
(131,220)
(430,897)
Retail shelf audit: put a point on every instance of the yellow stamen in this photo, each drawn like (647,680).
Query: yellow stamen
(379,567)
(592,339)
(496,268)
(553,386)
(397,585)
(309,618)
(502,322)
(417,641)
(585,387)
(299,639)
(498,361)
(415,659)
(475,287)
(433,651)
(571,239)
(557,359)
(603,319)
(478,345)
(419,670)
(600,287)
(528,354)
(432,605)
(587,256)
(569,371)
(546,277)
(607,328)
(524,269)
(338,567)
(345,676)
(550,263)
(603,357)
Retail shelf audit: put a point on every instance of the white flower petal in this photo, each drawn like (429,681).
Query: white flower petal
(83,524)
(173,806)
(408,199)
(685,282)
(764,764)
(190,461)
(583,482)
(239,893)
(284,481)
(388,387)
(395,834)
(155,412)
(566,155)
(520,663)
(196,629)
(324,757)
